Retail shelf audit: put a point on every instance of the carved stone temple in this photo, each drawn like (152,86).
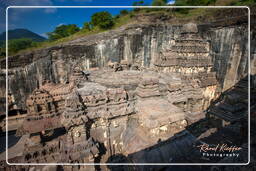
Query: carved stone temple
(126,112)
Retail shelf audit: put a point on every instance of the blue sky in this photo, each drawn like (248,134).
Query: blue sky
(44,20)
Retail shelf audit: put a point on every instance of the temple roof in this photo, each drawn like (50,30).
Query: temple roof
(189,28)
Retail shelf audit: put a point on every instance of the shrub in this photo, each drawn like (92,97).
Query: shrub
(102,19)
(63,31)
(87,26)
(137,3)
(159,2)
(124,12)
(2,49)
(117,16)
(131,15)
(181,3)
(15,45)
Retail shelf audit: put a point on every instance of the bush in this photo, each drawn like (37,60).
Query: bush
(194,2)
(63,31)
(131,15)
(117,16)
(191,3)
(182,3)
(87,26)
(2,49)
(159,2)
(124,12)
(137,3)
(15,45)
(102,19)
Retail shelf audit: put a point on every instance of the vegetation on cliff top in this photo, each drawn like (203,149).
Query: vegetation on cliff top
(102,21)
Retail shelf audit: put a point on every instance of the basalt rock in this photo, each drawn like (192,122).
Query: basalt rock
(124,92)
(139,45)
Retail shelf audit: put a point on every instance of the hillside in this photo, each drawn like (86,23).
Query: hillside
(173,16)
(22,33)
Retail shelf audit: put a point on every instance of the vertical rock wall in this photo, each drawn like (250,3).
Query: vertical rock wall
(230,54)
(137,44)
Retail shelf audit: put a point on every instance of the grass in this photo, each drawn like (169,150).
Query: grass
(210,14)
(46,44)
(235,2)
(125,19)
(191,14)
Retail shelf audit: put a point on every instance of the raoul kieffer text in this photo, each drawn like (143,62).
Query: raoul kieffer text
(219,150)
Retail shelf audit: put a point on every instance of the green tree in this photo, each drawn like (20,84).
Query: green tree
(72,28)
(102,19)
(15,45)
(116,17)
(131,15)
(159,2)
(2,49)
(194,2)
(137,3)
(182,3)
(87,26)
(124,12)
(63,31)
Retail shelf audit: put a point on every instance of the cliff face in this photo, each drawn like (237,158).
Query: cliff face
(229,48)
(138,44)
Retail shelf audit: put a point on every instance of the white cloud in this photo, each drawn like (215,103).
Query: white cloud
(171,2)
(16,14)
(44,35)
(35,3)
(31,2)
(60,24)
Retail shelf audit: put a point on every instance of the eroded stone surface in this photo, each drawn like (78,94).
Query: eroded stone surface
(103,108)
